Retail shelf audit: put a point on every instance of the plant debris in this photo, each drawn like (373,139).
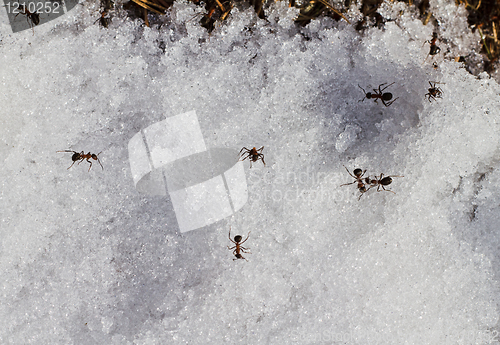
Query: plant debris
(483,17)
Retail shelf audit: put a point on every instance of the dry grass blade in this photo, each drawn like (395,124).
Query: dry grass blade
(220,6)
(327,4)
(149,6)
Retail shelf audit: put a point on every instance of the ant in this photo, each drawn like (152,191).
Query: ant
(32,18)
(358,174)
(381,182)
(387,96)
(434,48)
(81,156)
(238,245)
(253,154)
(207,21)
(434,92)
(104,19)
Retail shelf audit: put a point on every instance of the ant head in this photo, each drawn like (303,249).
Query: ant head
(237,238)
(387,96)
(76,156)
(238,256)
(357,172)
(362,189)
(386,181)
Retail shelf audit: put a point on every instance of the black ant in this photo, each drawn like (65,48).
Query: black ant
(434,48)
(253,154)
(387,96)
(358,176)
(104,19)
(32,18)
(434,92)
(238,245)
(381,182)
(81,156)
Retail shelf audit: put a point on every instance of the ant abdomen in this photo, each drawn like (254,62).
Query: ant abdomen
(387,96)
(386,181)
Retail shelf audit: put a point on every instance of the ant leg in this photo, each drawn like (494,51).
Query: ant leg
(245,250)
(30,25)
(380,91)
(388,190)
(384,87)
(67,151)
(99,160)
(364,192)
(71,165)
(388,104)
(364,93)
(90,164)
(346,184)
(260,154)
(246,157)
(246,238)
(230,237)
(244,148)
(348,173)
(231,247)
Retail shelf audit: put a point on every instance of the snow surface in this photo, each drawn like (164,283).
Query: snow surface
(86,259)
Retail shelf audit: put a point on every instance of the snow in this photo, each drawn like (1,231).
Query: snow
(86,258)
